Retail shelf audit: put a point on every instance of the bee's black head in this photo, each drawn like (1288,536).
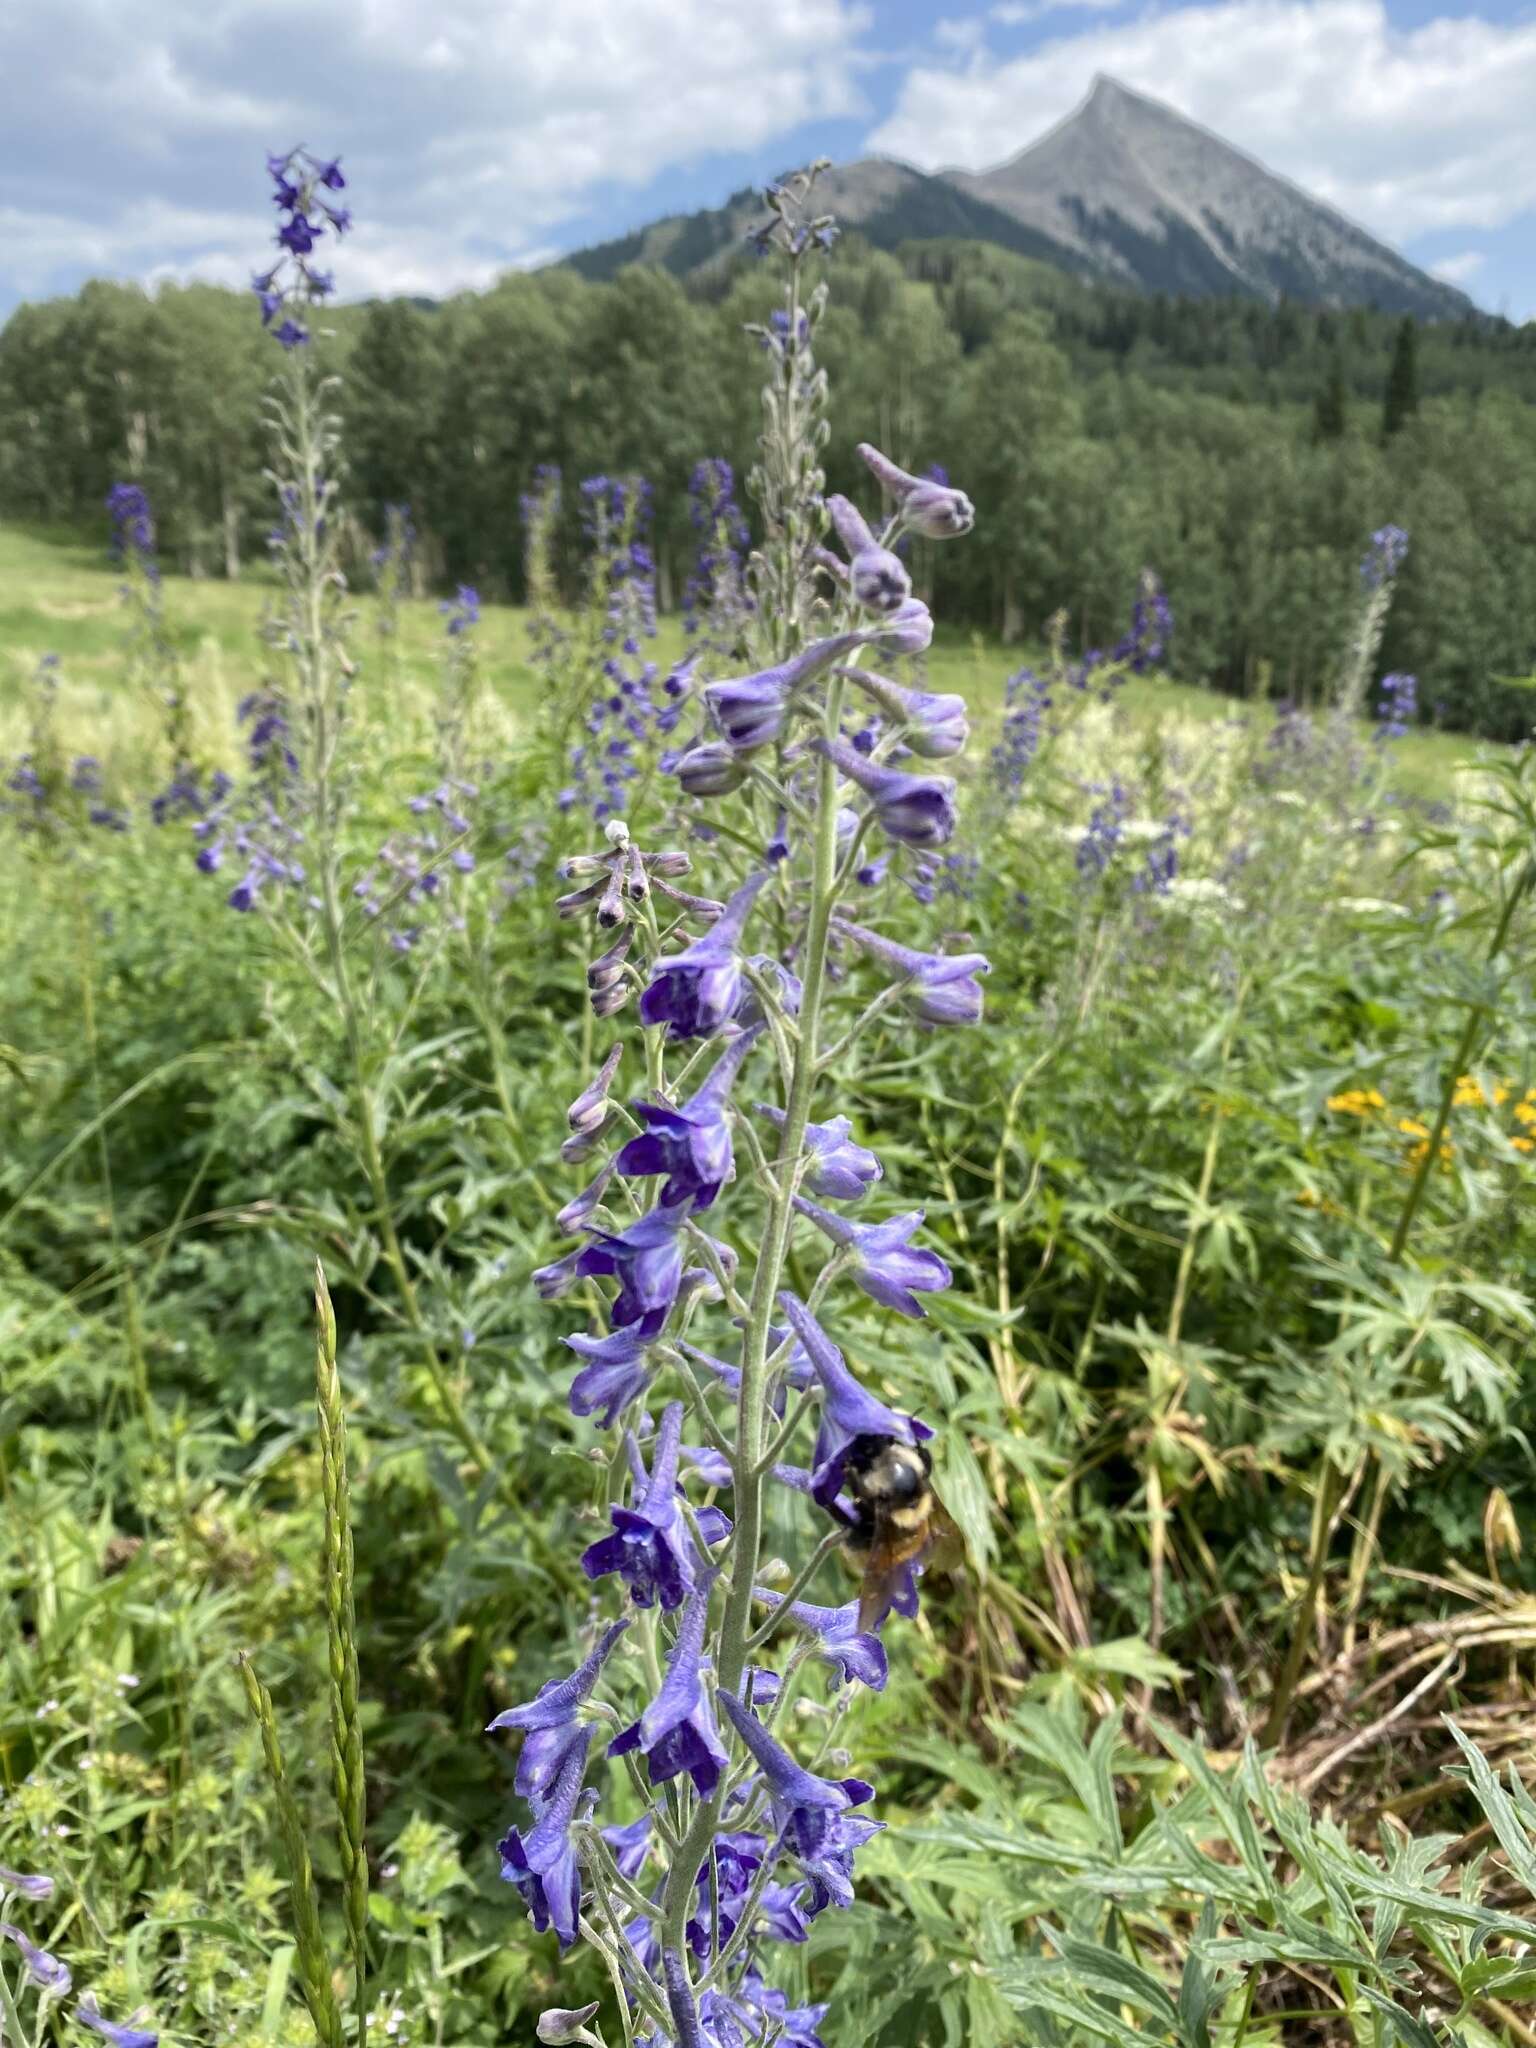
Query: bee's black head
(881,1469)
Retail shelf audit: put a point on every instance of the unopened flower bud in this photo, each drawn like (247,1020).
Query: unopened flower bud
(672,863)
(710,770)
(591,1107)
(608,967)
(582,1144)
(562,2024)
(616,832)
(607,1002)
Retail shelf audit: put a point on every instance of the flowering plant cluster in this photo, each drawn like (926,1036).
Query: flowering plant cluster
(291,286)
(706,1366)
(48,1976)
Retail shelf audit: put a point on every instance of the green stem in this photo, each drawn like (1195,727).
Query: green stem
(1330,1493)
(749,1477)
(1466,1045)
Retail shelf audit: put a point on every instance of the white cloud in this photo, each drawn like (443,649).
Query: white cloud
(1014,13)
(468,130)
(1457,269)
(1405,130)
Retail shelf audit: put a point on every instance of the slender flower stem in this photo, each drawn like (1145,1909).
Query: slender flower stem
(747,1494)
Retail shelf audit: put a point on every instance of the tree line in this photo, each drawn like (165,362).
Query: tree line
(1246,452)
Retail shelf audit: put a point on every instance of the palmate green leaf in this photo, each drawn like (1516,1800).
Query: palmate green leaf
(1127,1657)
(1412,2032)
(1227,1803)
(1053,1987)
(1046,1737)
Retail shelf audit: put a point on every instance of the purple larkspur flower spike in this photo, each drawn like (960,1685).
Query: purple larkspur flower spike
(935,723)
(812,1814)
(695,992)
(935,510)
(122,2034)
(549,1721)
(943,986)
(46,1971)
(851,1653)
(878,578)
(650,1547)
(883,1261)
(676,1733)
(615,1372)
(919,810)
(848,1411)
(543,1864)
(691,1144)
(647,1262)
(839,1170)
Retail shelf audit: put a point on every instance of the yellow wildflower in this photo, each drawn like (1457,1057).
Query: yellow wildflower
(1357,1102)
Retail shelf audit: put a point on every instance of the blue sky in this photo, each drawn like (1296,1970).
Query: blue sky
(480,135)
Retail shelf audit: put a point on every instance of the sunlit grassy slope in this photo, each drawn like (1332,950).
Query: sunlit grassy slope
(59,595)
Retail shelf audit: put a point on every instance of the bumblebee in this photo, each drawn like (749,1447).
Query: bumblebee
(896,1518)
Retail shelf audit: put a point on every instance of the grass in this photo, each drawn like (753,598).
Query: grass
(59,595)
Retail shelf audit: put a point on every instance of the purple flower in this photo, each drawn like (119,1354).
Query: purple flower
(550,1282)
(852,1654)
(573,1217)
(839,1169)
(46,1971)
(650,1547)
(615,1373)
(879,581)
(943,986)
(749,1010)
(695,992)
(936,725)
(812,1814)
(543,1865)
(676,1733)
(549,1720)
(36,1887)
(928,505)
(691,1145)
(1398,710)
(908,630)
(884,1263)
(591,1105)
(917,809)
(647,1262)
(291,334)
(1387,552)
(629,1845)
(124,2035)
(750,710)
(712,769)
(847,1411)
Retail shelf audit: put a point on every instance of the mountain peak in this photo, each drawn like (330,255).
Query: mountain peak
(1124,189)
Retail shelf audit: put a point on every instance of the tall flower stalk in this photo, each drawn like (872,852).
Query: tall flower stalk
(712,1372)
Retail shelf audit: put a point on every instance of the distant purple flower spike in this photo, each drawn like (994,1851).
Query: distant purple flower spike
(543,1865)
(812,1814)
(943,985)
(120,2034)
(852,1654)
(884,1263)
(695,992)
(929,506)
(549,1721)
(919,810)
(651,1548)
(46,1971)
(879,580)
(936,725)
(840,1171)
(692,1144)
(615,1373)
(847,1410)
(676,1733)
